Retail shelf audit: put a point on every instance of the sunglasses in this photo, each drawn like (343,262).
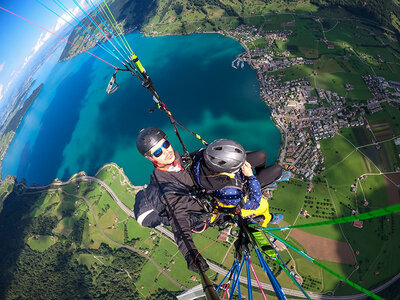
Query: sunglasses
(159,151)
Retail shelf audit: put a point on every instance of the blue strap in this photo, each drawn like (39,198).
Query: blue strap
(197,172)
(275,284)
(249,288)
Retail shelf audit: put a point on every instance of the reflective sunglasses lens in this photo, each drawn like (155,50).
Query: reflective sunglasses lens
(157,153)
(166,144)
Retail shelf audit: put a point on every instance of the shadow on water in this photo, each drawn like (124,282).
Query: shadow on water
(63,112)
(24,160)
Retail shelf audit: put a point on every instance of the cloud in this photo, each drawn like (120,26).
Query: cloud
(60,23)
(67,18)
(44,37)
(2,66)
(26,60)
(10,83)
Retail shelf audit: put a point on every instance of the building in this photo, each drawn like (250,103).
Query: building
(304,213)
(224,235)
(358,224)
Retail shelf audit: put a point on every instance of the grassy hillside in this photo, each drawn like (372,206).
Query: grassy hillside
(76,238)
(385,12)
(130,15)
(187,16)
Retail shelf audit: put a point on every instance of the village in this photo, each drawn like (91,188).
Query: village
(304,114)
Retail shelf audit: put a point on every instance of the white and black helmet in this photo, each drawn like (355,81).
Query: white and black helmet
(224,156)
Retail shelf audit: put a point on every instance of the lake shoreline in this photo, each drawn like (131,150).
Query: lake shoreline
(144,34)
(281,130)
(234,90)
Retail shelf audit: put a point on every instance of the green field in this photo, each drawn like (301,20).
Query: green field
(355,53)
(260,43)
(5,141)
(378,254)
(288,199)
(90,259)
(114,177)
(331,197)
(42,242)
(392,152)
(389,115)
(6,187)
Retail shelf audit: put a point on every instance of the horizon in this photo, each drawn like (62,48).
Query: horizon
(25,41)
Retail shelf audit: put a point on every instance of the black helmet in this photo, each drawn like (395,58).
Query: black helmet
(224,156)
(148,138)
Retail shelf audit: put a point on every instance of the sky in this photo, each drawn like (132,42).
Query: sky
(20,40)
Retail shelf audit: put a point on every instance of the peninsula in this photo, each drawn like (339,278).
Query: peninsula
(12,121)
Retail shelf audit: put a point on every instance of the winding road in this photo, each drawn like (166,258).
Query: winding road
(169,234)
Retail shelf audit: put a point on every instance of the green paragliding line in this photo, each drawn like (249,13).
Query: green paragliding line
(364,216)
(6,10)
(353,284)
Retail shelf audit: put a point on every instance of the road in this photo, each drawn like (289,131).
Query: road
(141,253)
(169,234)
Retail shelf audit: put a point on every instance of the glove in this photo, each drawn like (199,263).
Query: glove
(195,261)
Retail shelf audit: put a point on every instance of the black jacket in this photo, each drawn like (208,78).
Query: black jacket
(179,206)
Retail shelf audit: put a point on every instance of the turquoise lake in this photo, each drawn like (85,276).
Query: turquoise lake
(75,126)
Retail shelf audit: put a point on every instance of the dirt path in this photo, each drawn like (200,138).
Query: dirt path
(391,189)
(323,248)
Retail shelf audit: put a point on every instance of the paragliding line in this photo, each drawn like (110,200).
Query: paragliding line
(102,21)
(141,73)
(364,216)
(94,22)
(236,281)
(275,284)
(283,266)
(206,247)
(57,36)
(118,26)
(88,35)
(249,288)
(227,274)
(355,285)
(118,34)
(256,277)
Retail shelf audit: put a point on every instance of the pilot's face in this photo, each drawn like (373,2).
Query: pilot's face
(162,153)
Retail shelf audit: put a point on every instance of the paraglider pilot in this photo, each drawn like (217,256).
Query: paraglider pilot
(221,169)
(175,185)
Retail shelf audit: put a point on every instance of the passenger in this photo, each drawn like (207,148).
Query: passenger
(226,170)
(176,186)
